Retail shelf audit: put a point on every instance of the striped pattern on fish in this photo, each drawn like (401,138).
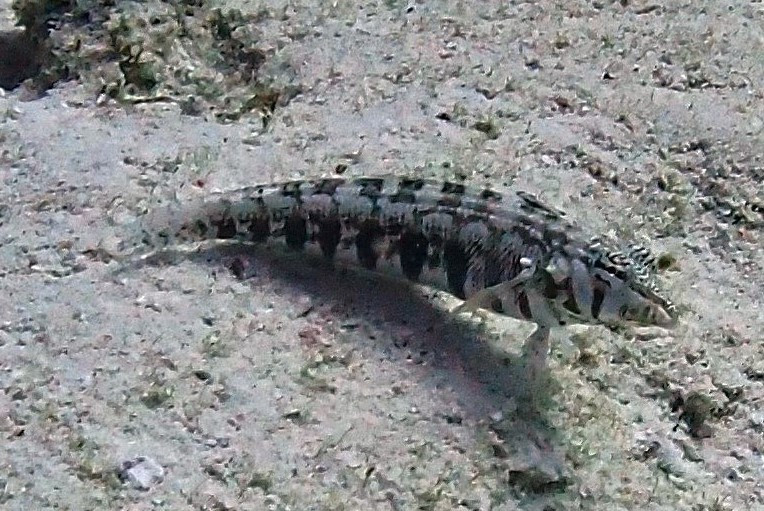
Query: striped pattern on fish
(508,253)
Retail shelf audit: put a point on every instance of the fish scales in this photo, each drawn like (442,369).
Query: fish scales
(506,252)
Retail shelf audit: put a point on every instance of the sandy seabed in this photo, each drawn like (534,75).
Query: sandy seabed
(180,386)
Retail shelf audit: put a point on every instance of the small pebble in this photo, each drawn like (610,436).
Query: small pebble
(142,473)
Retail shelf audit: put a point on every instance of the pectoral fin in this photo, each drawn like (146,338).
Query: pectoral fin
(491,298)
(480,300)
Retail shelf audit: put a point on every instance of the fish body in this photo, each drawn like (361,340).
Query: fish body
(505,252)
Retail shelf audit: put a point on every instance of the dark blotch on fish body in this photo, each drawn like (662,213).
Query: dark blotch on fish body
(412,249)
(329,235)
(457,262)
(295,231)
(369,232)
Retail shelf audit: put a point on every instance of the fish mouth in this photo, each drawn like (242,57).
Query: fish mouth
(663,318)
(656,316)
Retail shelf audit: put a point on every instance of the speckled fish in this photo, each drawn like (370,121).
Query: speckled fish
(506,253)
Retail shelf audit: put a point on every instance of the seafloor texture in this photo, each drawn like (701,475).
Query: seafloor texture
(223,379)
